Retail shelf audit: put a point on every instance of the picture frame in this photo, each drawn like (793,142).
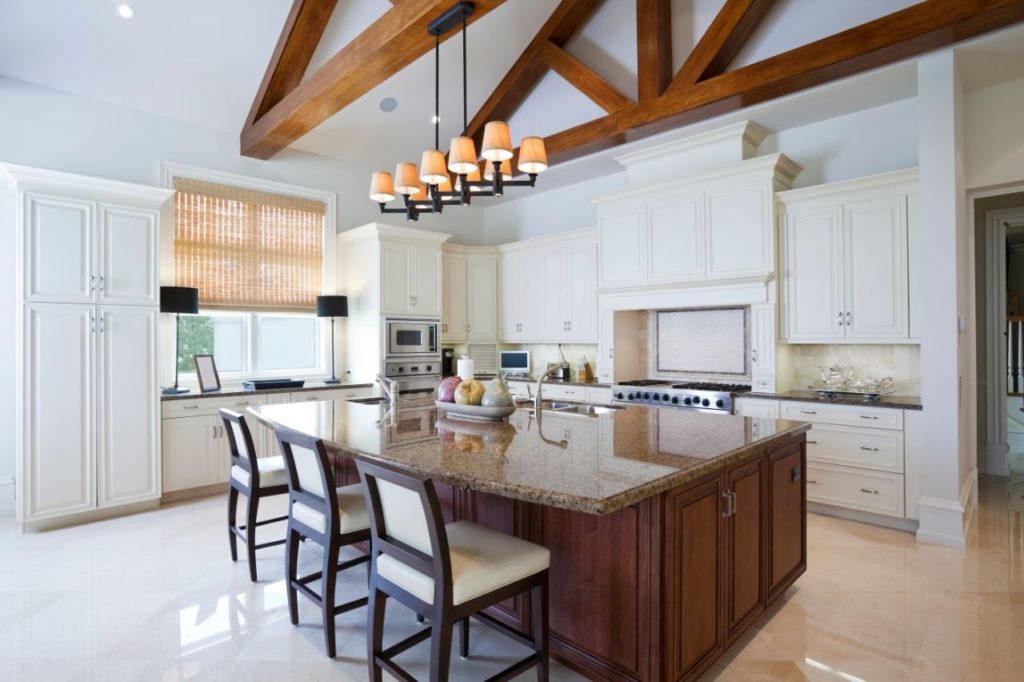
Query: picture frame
(206,372)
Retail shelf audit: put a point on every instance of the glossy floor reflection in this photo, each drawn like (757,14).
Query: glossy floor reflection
(155,597)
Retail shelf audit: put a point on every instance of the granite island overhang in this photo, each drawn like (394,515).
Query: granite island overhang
(670,531)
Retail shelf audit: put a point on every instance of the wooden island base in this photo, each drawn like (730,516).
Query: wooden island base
(658,590)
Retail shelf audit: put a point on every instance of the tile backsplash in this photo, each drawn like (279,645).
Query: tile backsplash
(543,353)
(902,362)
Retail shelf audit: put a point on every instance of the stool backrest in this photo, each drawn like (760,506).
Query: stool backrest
(406,521)
(310,476)
(243,454)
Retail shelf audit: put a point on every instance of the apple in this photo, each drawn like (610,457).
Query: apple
(446,391)
(469,392)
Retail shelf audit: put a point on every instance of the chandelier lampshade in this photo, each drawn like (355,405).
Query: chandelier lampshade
(462,155)
(446,184)
(497,144)
(407,180)
(533,157)
(506,170)
(420,194)
(472,176)
(382,189)
(432,169)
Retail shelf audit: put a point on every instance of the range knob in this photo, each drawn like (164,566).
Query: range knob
(618,396)
(719,403)
(631,396)
(647,396)
(427,368)
(401,369)
(675,400)
(687,400)
(664,396)
(705,402)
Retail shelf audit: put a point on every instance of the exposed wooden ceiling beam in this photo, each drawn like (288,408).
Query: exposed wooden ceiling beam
(653,47)
(720,44)
(920,28)
(520,80)
(583,78)
(295,47)
(391,43)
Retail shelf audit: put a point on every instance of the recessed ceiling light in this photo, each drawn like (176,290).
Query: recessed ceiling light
(125,11)
(388,104)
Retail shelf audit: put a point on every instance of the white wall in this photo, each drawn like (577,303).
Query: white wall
(8,310)
(993,135)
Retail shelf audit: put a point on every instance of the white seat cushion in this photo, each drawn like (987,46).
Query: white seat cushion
(351,510)
(272,472)
(483,560)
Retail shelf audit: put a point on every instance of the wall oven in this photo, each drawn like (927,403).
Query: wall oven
(407,338)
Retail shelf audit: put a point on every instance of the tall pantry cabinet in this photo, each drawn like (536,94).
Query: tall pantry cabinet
(86,297)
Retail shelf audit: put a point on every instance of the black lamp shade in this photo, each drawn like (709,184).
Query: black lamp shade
(332,306)
(179,300)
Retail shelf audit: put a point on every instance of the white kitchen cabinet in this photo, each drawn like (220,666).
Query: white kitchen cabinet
(426,281)
(87,378)
(509,293)
(762,339)
(128,416)
(605,346)
(554,315)
(192,450)
(676,245)
(739,218)
(581,293)
(410,280)
(847,275)
(756,407)
(453,315)
(481,299)
(531,297)
(622,235)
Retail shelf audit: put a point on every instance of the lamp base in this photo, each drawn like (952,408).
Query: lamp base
(332,380)
(175,390)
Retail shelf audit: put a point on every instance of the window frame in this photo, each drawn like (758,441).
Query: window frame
(170,171)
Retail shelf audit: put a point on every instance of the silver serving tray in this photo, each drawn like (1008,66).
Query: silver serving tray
(479,412)
(866,396)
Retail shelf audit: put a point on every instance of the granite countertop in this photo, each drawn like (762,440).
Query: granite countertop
(565,382)
(238,390)
(899,402)
(613,459)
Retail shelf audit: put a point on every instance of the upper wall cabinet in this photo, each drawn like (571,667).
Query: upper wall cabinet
(89,251)
(714,226)
(410,279)
(470,295)
(847,268)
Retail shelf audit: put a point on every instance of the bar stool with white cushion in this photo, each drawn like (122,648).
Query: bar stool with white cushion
(323,513)
(256,478)
(446,573)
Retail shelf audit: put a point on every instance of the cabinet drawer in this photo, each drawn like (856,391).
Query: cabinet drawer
(599,395)
(172,409)
(763,385)
(756,407)
(519,389)
(332,394)
(847,415)
(555,392)
(878,449)
(870,491)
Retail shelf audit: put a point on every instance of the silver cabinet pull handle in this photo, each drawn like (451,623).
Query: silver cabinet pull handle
(735,501)
(811,481)
(870,492)
(725,494)
(867,449)
(812,442)
(849,317)
(867,416)
(753,355)
(808,412)
(242,402)
(214,430)
(92,323)
(191,407)
(840,319)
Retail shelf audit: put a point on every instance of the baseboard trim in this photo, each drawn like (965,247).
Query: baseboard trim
(893,522)
(947,522)
(88,517)
(193,493)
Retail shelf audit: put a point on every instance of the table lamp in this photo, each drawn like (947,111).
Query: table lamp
(332,307)
(178,300)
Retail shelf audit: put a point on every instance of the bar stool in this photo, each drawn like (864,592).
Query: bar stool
(329,516)
(444,573)
(254,477)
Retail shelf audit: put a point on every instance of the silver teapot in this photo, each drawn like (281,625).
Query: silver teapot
(836,377)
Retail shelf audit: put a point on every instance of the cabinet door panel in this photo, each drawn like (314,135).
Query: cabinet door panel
(746,544)
(481,300)
(396,291)
(554,315)
(739,231)
(60,259)
(127,405)
(621,235)
(454,314)
(509,299)
(582,303)
(189,452)
(606,347)
(59,410)
(876,269)
(763,338)
(426,289)
(814,275)
(787,524)
(531,296)
(677,239)
(128,256)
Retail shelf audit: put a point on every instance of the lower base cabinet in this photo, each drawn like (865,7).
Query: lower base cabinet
(659,590)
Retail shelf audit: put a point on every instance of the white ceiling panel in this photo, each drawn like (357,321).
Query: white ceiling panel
(607,44)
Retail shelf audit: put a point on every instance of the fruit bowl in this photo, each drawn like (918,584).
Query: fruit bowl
(479,412)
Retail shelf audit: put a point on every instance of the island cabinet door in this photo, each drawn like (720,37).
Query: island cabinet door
(745,544)
(694,579)
(787,521)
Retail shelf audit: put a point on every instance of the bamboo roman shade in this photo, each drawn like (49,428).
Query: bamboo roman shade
(247,250)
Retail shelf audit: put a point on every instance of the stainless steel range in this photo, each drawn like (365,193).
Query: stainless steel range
(702,396)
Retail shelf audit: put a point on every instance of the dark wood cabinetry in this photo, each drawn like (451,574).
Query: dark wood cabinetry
(745,544)
(787,527)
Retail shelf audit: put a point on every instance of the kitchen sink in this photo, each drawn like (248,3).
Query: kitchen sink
(576,408)
(376,400)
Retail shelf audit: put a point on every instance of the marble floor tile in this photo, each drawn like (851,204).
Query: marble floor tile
(155,596)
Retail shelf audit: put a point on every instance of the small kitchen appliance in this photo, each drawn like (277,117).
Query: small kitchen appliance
(409,338)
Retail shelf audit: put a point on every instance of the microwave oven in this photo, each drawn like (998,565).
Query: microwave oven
(411,337)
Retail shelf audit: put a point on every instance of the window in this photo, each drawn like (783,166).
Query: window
(257,259)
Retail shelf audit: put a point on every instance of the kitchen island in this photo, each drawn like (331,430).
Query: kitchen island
(670,532)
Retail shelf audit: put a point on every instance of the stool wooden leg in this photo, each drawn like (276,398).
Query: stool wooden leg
(291,572)
(464,637)
(252,507)
(232,515)
(539,626)
(328,584)
(441,626)
(376,606)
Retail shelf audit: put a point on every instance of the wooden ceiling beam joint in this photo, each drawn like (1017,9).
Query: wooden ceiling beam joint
(583,78)
(653,47)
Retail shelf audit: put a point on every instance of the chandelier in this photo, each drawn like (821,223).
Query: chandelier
(429,189)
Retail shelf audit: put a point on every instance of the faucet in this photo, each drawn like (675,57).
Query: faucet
(540,385)
(538,412)
(389,387)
